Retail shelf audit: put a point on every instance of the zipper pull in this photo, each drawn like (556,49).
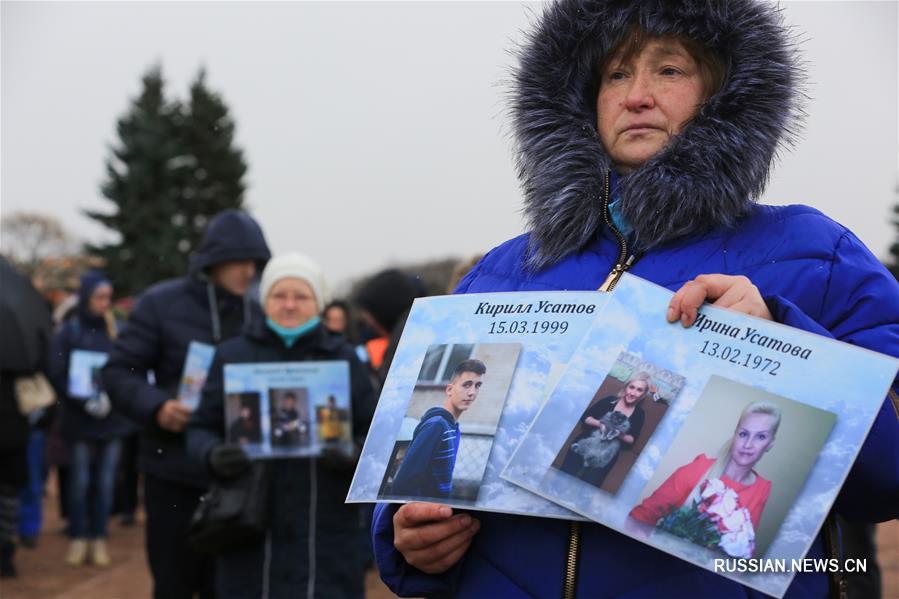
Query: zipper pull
(616,273)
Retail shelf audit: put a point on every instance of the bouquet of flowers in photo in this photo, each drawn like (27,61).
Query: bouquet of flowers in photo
(715,520)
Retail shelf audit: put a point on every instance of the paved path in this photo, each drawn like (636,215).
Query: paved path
(43,573)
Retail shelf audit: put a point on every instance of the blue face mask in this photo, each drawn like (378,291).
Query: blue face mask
(290,335)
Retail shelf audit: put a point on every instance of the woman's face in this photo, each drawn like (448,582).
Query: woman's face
(634,391)
(335,319)
(644,101)
(291,302)
(754,436)
(100,300)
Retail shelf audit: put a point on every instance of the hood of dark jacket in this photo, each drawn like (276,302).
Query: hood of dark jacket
(438,412)
(89,282)
(388,294)
(709,174)
(232,235)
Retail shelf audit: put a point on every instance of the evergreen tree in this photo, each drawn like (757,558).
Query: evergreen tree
(143,181)
(215,179)
(174,168)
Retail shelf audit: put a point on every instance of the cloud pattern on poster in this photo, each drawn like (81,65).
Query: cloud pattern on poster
(451,319)
(633,321)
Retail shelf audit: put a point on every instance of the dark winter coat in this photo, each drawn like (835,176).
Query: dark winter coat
(17,362)
(87,332)
(427,468)
(692,210)
(165,319)
(307,495)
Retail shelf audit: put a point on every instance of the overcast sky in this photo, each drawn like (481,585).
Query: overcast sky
(376,132)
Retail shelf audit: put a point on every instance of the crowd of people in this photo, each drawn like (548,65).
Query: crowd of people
(644,133)
(117,380)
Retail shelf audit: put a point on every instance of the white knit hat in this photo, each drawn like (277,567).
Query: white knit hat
(297,266)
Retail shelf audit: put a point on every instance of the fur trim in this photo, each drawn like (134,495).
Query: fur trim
(708,176)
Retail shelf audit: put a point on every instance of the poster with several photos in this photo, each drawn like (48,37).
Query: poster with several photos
(729,439)
(84,373)
(196,369)
(434,439)
(288,409)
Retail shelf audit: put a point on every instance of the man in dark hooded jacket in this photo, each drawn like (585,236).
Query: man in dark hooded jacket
(209,306)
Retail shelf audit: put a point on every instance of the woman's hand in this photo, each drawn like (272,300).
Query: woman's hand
(430,537)
(173,415)
(591,421)
(724,291)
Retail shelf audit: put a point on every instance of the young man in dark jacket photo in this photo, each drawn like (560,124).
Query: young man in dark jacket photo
(427,468)
(208,305)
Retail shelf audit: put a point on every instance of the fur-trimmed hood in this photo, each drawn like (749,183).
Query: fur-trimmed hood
(708,176)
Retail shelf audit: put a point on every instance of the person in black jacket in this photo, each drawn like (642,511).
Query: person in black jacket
(92,431)
(24,347)
(314,542)
(209,305)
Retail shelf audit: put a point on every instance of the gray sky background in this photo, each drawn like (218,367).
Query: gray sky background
(376,132)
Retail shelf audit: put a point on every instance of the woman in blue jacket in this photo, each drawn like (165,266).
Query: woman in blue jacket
(645,132)
(92,430)
(312,547)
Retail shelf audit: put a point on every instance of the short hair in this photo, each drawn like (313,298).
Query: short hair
(290,394)
(712,68)
(471,365)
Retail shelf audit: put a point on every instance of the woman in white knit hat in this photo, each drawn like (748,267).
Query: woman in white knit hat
(314,544)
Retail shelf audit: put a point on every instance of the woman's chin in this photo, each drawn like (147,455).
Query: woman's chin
(288,323)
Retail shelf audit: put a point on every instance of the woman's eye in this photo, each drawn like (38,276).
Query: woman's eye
(615,76)
(670,71)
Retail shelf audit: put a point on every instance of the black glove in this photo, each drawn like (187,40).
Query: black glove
(342,456)
(228,461)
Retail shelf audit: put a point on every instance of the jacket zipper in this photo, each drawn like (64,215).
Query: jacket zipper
(623,263)
(571,565)
(624,260)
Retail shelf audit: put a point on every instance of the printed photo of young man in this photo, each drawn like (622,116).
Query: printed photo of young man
(427,468)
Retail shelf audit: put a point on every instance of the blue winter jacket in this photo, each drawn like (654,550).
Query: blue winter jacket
(85,331)
(814,275)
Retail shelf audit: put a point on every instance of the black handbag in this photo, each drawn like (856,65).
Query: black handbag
(233,513)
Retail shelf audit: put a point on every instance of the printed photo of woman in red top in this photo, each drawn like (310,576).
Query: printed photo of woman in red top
(718,501)
(733,501)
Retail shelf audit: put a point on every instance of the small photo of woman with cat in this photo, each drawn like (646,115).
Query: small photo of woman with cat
(614,428)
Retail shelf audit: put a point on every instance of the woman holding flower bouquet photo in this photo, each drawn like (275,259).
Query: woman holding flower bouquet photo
(718,502)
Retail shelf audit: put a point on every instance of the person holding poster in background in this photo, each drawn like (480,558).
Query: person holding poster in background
(208,305)
(92,430)
(313,545)
(645,132)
